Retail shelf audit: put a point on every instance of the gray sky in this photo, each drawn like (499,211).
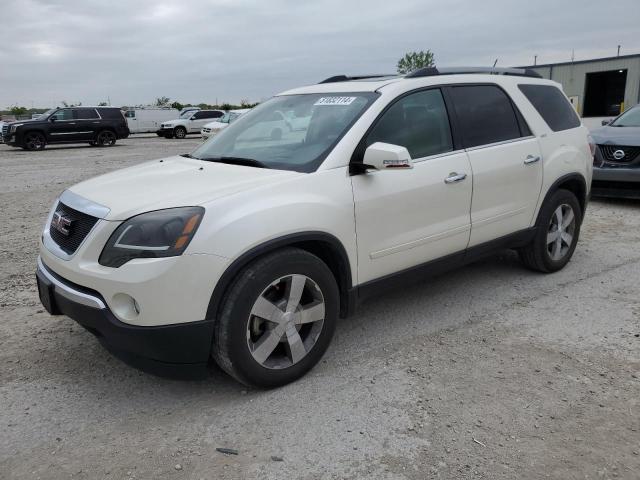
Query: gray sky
(203,50)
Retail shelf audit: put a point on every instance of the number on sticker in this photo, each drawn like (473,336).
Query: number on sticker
(335,101)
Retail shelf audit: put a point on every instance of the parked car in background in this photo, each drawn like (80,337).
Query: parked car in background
(186,110)
(148,119)
(248,249)
(616,168)
(99,126)
(212,128)
(190,122)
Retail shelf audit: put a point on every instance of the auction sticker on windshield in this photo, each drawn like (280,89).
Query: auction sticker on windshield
(335,101)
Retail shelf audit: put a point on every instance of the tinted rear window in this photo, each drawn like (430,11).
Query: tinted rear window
(110,113)
(485,114)
(552,105)
(86,113)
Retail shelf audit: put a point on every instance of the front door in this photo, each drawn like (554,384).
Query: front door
(407,217)
(62,126)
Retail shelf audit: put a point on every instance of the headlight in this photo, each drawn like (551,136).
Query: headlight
(163,233)
(14,127)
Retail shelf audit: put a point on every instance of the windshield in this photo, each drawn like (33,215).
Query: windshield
(291,132)
(48,112)
(630,118)
(188,114)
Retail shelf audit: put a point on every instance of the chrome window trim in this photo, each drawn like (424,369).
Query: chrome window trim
(503,142)
(69,292)
(437,155)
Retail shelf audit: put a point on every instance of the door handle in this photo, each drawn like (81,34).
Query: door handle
(531,159)
(455,177)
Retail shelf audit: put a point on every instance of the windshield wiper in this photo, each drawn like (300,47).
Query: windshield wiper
(187,155)
(249,162)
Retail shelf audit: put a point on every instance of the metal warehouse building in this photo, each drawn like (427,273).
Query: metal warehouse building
(601,87)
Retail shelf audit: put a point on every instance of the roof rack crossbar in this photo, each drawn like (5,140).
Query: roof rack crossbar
(432,71)
(345,78)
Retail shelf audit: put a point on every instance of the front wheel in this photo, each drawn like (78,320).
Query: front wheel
(180,132)
(34,141)
(557,232)
(277,319)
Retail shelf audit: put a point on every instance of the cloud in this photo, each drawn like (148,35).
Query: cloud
(226,50)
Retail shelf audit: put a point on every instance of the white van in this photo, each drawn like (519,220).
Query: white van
(144,120)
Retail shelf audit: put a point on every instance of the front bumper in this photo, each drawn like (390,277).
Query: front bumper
(616,182)
(177,350)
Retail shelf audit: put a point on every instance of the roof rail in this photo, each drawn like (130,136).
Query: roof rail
(345,78)
(432,71)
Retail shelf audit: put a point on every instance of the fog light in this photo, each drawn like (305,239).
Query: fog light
(125,307)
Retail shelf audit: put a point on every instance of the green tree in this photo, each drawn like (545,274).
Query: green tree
(177,105)
(415,60)
(16,110)
(103,104)
(162,101)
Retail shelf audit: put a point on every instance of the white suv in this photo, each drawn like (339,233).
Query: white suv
(189,122)
(248,249)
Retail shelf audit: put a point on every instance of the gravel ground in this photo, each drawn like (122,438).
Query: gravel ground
(491,371)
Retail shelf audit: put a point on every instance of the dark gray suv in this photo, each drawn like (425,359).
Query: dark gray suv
(99,126)
(616,167)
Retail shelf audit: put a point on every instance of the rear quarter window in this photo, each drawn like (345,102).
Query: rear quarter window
(552,106)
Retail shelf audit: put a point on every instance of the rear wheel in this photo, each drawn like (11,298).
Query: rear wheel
(34,141)
(106,138)
(277,319)
(557,232)
(180,132)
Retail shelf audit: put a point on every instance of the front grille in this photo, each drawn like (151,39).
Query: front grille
(609,153)
(81,225)
(5,132)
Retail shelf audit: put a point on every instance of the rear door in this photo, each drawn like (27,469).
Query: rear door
(505,158)
(201,118)
(87,123)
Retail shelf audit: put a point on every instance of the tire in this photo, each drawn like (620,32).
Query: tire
(268,354)
(34,141)
(180,132)
(105,138)
(552,248)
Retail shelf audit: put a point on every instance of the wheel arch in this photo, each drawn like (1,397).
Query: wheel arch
(575,183)
(324,245)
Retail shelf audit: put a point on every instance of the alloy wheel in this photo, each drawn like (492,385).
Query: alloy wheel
(34,141)
(561,232)
(106,139)
(285,321)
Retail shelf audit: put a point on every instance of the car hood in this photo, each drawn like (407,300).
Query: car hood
(627,136)
(214,125)
(31,120)
(172,182)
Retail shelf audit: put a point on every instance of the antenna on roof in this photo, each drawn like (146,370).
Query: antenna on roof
(495,63)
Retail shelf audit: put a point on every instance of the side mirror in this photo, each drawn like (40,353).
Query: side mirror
(386,156)
(52,119)
(606,122)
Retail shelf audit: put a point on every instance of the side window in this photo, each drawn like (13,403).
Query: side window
(485,115)
(64,114)
(130,114)
(86,114)
(552,106)
(418,122)
(215,114)
(198,115)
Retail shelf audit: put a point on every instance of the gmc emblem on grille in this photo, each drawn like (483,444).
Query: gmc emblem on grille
(618,154)
(61,223)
